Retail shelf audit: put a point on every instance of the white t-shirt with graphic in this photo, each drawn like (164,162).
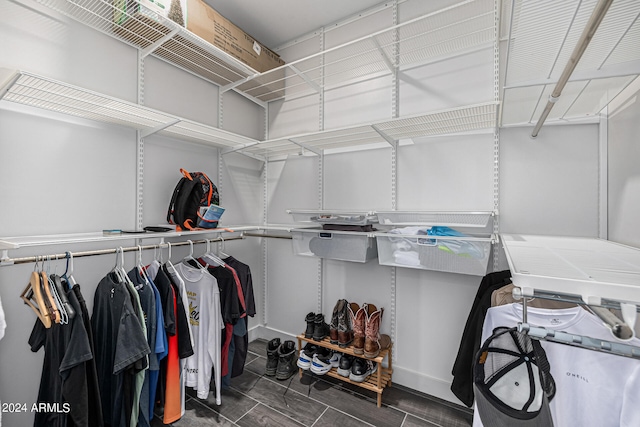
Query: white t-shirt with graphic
(592,388)
(205,322)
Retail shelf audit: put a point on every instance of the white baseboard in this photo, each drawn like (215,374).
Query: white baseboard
(424,383)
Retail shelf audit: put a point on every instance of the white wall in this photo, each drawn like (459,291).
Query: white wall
(59,174)
(547,186)
(624,171)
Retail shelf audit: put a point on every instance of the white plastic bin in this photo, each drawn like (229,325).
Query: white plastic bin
(339,245)
(450,254)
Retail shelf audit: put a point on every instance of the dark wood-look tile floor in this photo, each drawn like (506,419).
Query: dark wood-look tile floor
(257,400)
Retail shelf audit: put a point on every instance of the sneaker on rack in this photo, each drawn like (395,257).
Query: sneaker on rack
(306,356)
(321,363)
(361,369)
(335,359)
(344,367)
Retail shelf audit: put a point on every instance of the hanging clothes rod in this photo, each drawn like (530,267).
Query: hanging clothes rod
(53,257)
(620,349)
(619,328)
(587,34)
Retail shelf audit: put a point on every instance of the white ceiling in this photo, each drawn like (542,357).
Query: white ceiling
(275,22)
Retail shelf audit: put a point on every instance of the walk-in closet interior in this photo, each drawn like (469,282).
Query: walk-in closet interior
(512,125)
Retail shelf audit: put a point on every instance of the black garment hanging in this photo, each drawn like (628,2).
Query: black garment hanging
(63,383)
(462,385)
(94,407)
(240,344)
(185,346)
(121,347)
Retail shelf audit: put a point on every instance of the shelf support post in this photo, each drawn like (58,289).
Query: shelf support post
(140,151)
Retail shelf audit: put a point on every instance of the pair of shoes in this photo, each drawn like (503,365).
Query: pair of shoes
(361,369)
(281,359)
(340,330)
(319,360)
(324,360)
(317,328)
(344,367)
(366,330)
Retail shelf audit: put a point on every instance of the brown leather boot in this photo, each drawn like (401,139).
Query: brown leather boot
(372,342)
(357,315)
(345,330)
(333,326)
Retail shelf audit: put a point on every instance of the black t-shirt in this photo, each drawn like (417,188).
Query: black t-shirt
(229,302)
(244,274)
(94,407)
(163,283)
(120,345)
(185,346)
(64,379)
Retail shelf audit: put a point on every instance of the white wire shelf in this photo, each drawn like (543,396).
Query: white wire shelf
(455,120)
(462,27)
(592,268)
(542,37)
(36,91)
(153,33)
(20,242)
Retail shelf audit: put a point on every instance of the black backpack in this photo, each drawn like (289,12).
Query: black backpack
(193,192)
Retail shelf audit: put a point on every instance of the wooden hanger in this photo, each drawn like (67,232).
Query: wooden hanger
(49,299)
(34,290)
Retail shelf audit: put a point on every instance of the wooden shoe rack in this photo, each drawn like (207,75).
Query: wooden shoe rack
(376,382)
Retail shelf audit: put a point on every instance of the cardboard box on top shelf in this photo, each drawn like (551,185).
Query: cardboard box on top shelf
(141,23)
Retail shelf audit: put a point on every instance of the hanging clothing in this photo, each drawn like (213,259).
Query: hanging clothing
(592,388)
(173,403)
(3,323)
(462,384)
(168,389)
(64,374)
(232,307)
(185,336)
(121,347)
(240,344)
(185,340)
(94,408)
(206,323)
(161,348)
(148,306)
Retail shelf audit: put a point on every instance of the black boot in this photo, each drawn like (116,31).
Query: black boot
(321,329)
(311,325)
(286,360)
(272,357)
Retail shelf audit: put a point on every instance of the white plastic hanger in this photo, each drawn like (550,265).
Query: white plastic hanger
(221,248)
(141,269)
(191,258)
(210,258)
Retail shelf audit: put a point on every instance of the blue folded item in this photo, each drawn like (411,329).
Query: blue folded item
(210,216)
(457,247)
